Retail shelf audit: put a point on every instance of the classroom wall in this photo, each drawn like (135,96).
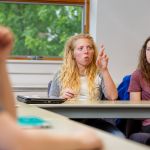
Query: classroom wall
(122,26)
(32,77)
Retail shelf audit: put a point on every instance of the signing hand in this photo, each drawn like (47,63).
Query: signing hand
(6,42)
(102,59)
(68,93)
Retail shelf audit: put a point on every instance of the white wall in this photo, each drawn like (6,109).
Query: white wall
(32,77)
(122,26)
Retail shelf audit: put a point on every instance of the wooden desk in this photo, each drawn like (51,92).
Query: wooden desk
(100,109)
(61,123)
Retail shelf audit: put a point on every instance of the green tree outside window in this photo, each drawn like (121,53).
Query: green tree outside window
(41,29)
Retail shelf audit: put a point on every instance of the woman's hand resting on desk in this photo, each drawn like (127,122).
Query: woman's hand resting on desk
(68,93)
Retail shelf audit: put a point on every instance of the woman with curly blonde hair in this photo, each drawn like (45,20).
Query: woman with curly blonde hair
(84,74)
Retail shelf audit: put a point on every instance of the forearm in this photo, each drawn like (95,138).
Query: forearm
(11,134)
(135,96)
(7,98)
(68,140)
(14,138)
(40,139)
(110,88)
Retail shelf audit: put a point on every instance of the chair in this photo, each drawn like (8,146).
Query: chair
(143,138)
(134,132)
(122,89)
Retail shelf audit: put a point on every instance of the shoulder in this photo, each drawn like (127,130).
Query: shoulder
(56,79)
(55,82)
(137,73)
(57,75)
(135,83)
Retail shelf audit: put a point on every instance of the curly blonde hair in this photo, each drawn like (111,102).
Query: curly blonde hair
(69,74)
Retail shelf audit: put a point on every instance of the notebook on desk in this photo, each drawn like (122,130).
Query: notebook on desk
(33,122)
(39,100)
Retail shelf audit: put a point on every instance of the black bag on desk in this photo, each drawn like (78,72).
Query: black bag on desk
(39,100)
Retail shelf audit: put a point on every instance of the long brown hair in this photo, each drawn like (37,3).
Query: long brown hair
(69,74)
(144,65)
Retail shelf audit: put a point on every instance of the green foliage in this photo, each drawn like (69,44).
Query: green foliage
(41,30)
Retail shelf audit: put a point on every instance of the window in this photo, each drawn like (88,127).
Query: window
(42,27)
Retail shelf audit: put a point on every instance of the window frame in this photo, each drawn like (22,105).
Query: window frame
(85,3)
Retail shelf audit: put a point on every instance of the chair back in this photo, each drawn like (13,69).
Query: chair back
(123,93)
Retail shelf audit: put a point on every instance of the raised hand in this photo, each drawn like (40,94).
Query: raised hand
(102,59)
(6,42)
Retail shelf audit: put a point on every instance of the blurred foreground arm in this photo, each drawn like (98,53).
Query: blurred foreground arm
(6,95)
(12,137)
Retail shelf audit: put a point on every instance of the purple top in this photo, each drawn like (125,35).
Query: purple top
(139,84)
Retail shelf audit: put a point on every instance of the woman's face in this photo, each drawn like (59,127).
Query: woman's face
(83,52)
(148,52)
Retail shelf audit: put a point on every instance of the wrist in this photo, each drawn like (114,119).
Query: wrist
(104,71)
